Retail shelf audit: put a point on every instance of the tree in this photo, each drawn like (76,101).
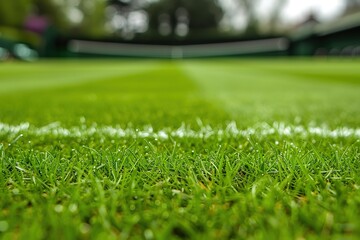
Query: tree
(252,18)
(93,19)
(87,17)
(254,21)
(352,6)
(126,18)
(52,11)
(179,16)
(275,15)
(13,13)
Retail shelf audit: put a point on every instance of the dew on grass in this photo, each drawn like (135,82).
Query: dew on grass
(165,214)
(73,208)
(194,218)
(82,120)
(85,228)
(15,191)
(4,226)
(175,191)
(59,208)
(148,234)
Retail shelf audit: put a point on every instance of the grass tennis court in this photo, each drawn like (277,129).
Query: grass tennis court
(153,149)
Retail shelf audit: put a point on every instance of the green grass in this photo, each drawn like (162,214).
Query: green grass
(217,149)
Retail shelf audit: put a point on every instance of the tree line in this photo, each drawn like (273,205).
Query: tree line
(163,17)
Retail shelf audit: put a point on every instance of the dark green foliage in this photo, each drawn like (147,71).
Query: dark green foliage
(203,14)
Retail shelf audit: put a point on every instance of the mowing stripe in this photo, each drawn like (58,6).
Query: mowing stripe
(184,131)
(42,75)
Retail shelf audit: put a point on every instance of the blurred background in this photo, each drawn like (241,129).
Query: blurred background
(30,29)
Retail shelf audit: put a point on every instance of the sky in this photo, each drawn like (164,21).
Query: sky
(294,11)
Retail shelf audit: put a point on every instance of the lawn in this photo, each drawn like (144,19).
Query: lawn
(195,149)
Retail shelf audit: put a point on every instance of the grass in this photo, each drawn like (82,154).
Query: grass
(218,149)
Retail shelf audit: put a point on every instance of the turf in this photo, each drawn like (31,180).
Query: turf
(218,149)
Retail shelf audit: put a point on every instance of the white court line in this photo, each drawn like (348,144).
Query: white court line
(184,131)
